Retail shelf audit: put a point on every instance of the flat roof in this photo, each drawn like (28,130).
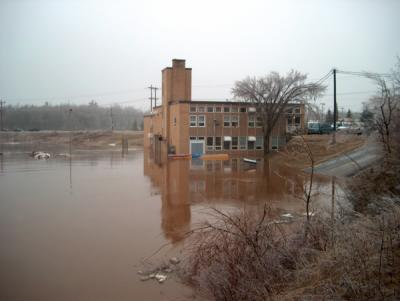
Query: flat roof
(222,102)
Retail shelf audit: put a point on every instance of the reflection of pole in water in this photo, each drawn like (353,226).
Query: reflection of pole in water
(1,160)
(333,199)
(70,172)
(70,149)
(124,146)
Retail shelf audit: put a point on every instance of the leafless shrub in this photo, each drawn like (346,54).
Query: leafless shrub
(245,256)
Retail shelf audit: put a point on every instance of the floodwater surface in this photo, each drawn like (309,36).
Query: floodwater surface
(78,228)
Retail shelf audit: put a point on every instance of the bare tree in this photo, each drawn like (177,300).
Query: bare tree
(271,94)
(386,107)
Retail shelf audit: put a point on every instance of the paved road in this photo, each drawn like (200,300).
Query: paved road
(349,164)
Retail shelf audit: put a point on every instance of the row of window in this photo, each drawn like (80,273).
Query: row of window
(220,109)
(229,121)
(232,109)
(232,143)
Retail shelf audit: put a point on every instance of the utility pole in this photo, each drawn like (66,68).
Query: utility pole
(334,106)
(155,96)
(151,97)
(323,111)
(2,107)
(112,120)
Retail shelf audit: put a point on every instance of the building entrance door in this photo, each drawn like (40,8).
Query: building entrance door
(197,147)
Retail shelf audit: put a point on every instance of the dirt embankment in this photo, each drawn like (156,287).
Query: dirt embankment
(79,139)
(321,146)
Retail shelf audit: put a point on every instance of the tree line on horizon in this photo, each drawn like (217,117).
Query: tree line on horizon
(71,117)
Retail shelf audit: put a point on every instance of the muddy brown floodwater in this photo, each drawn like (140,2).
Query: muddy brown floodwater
(78,229)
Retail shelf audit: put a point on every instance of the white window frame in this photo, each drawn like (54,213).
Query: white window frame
(210,147)
(243,146)
(235,147)
(260,146)
(198,121)
(192,124)
(218,147)
(251,120)
(229,121)
(237,121)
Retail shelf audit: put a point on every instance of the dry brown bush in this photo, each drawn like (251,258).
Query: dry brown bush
(248,257)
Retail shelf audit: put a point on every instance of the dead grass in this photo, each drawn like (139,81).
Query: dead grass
(80,139)
(247,256)
(295,155)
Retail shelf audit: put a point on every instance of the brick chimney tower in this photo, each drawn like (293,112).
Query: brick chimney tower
(176,85)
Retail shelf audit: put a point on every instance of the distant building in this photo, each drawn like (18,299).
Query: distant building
(182,126)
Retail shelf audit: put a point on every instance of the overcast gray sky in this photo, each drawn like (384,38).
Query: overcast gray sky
(111,50)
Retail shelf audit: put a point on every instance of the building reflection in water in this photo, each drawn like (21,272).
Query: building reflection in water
(183,183)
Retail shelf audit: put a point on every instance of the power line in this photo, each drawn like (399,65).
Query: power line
(1,113)
(363,73)
(324,78)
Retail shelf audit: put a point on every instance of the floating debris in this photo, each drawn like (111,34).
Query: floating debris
(40,155)
(287,215)
(160,277)
(311,213)
(174,260)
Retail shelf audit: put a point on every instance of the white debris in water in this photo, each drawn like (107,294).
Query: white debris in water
(160,277)
(40,155)
(174,260)
(112,144)
(287,215)
(311,213)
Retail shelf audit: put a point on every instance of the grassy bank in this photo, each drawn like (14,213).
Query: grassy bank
(79,139)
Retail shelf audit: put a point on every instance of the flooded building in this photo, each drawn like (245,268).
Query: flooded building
(183,126)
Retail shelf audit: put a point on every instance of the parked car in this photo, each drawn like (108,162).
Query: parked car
(319,128)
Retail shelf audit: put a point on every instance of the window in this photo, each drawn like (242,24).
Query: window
(242,142)
(259,142)
(174,121)
(259,123)
(192,109)
(243,110)
(227,145)
(227,120)
(251,140)
(227,109)
(251,121)
(250,145)
(210,143)
(200,109)
(217,143)
(193,121)
(235,121)
(210,109)
(235,142)
(218,109)
(192,138)
(234,109)
(200,138)
(297,120)
(201,121)
(252,110)
(297,110)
